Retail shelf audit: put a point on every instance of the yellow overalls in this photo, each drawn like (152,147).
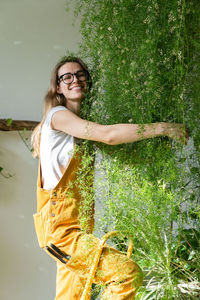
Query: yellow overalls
(57,225)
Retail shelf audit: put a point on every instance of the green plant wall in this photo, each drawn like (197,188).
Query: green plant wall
(144,57)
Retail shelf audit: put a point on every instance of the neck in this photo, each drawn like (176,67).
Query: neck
(74,106)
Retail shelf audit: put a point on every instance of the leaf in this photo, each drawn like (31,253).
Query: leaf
(192,254)
(9,122)
(1,169)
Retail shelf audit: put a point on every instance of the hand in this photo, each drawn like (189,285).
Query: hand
(177,132)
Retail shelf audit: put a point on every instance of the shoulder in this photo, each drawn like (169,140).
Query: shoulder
(55,109)
(51,113)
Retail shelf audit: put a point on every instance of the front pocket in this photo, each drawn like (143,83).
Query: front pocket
(39,229)
(64,211)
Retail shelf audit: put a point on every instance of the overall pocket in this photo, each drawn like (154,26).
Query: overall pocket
(63,211)
(55,218)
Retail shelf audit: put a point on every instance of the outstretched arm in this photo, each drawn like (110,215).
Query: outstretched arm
(70,123)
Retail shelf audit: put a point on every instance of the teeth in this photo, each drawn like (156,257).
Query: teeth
(76,88)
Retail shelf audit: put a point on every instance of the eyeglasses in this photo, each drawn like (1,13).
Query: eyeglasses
(68,78)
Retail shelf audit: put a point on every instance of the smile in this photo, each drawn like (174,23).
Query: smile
(76,88)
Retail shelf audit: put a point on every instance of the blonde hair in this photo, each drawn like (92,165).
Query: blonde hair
(53,99)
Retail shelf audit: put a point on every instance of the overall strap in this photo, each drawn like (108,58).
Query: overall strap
(66,181)
(70,173)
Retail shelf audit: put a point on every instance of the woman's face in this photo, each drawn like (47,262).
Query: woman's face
(73,87)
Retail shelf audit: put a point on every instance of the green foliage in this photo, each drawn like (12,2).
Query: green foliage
(85,181)
(9,122)
(144,57)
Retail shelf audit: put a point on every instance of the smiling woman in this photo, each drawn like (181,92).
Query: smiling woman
(59,196)
(72,81)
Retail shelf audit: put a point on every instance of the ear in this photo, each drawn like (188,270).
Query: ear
(59,89)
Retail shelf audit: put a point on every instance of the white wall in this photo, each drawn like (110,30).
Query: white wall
(34,34)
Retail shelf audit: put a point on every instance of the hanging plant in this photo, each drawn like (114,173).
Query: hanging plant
(144,56)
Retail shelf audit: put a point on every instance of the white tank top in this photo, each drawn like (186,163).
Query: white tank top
(56,149)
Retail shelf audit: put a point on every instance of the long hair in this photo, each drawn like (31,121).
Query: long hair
(53,98)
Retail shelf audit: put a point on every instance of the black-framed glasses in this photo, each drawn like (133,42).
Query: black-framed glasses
(68,78)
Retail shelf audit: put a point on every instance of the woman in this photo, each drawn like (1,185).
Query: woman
(58,197)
